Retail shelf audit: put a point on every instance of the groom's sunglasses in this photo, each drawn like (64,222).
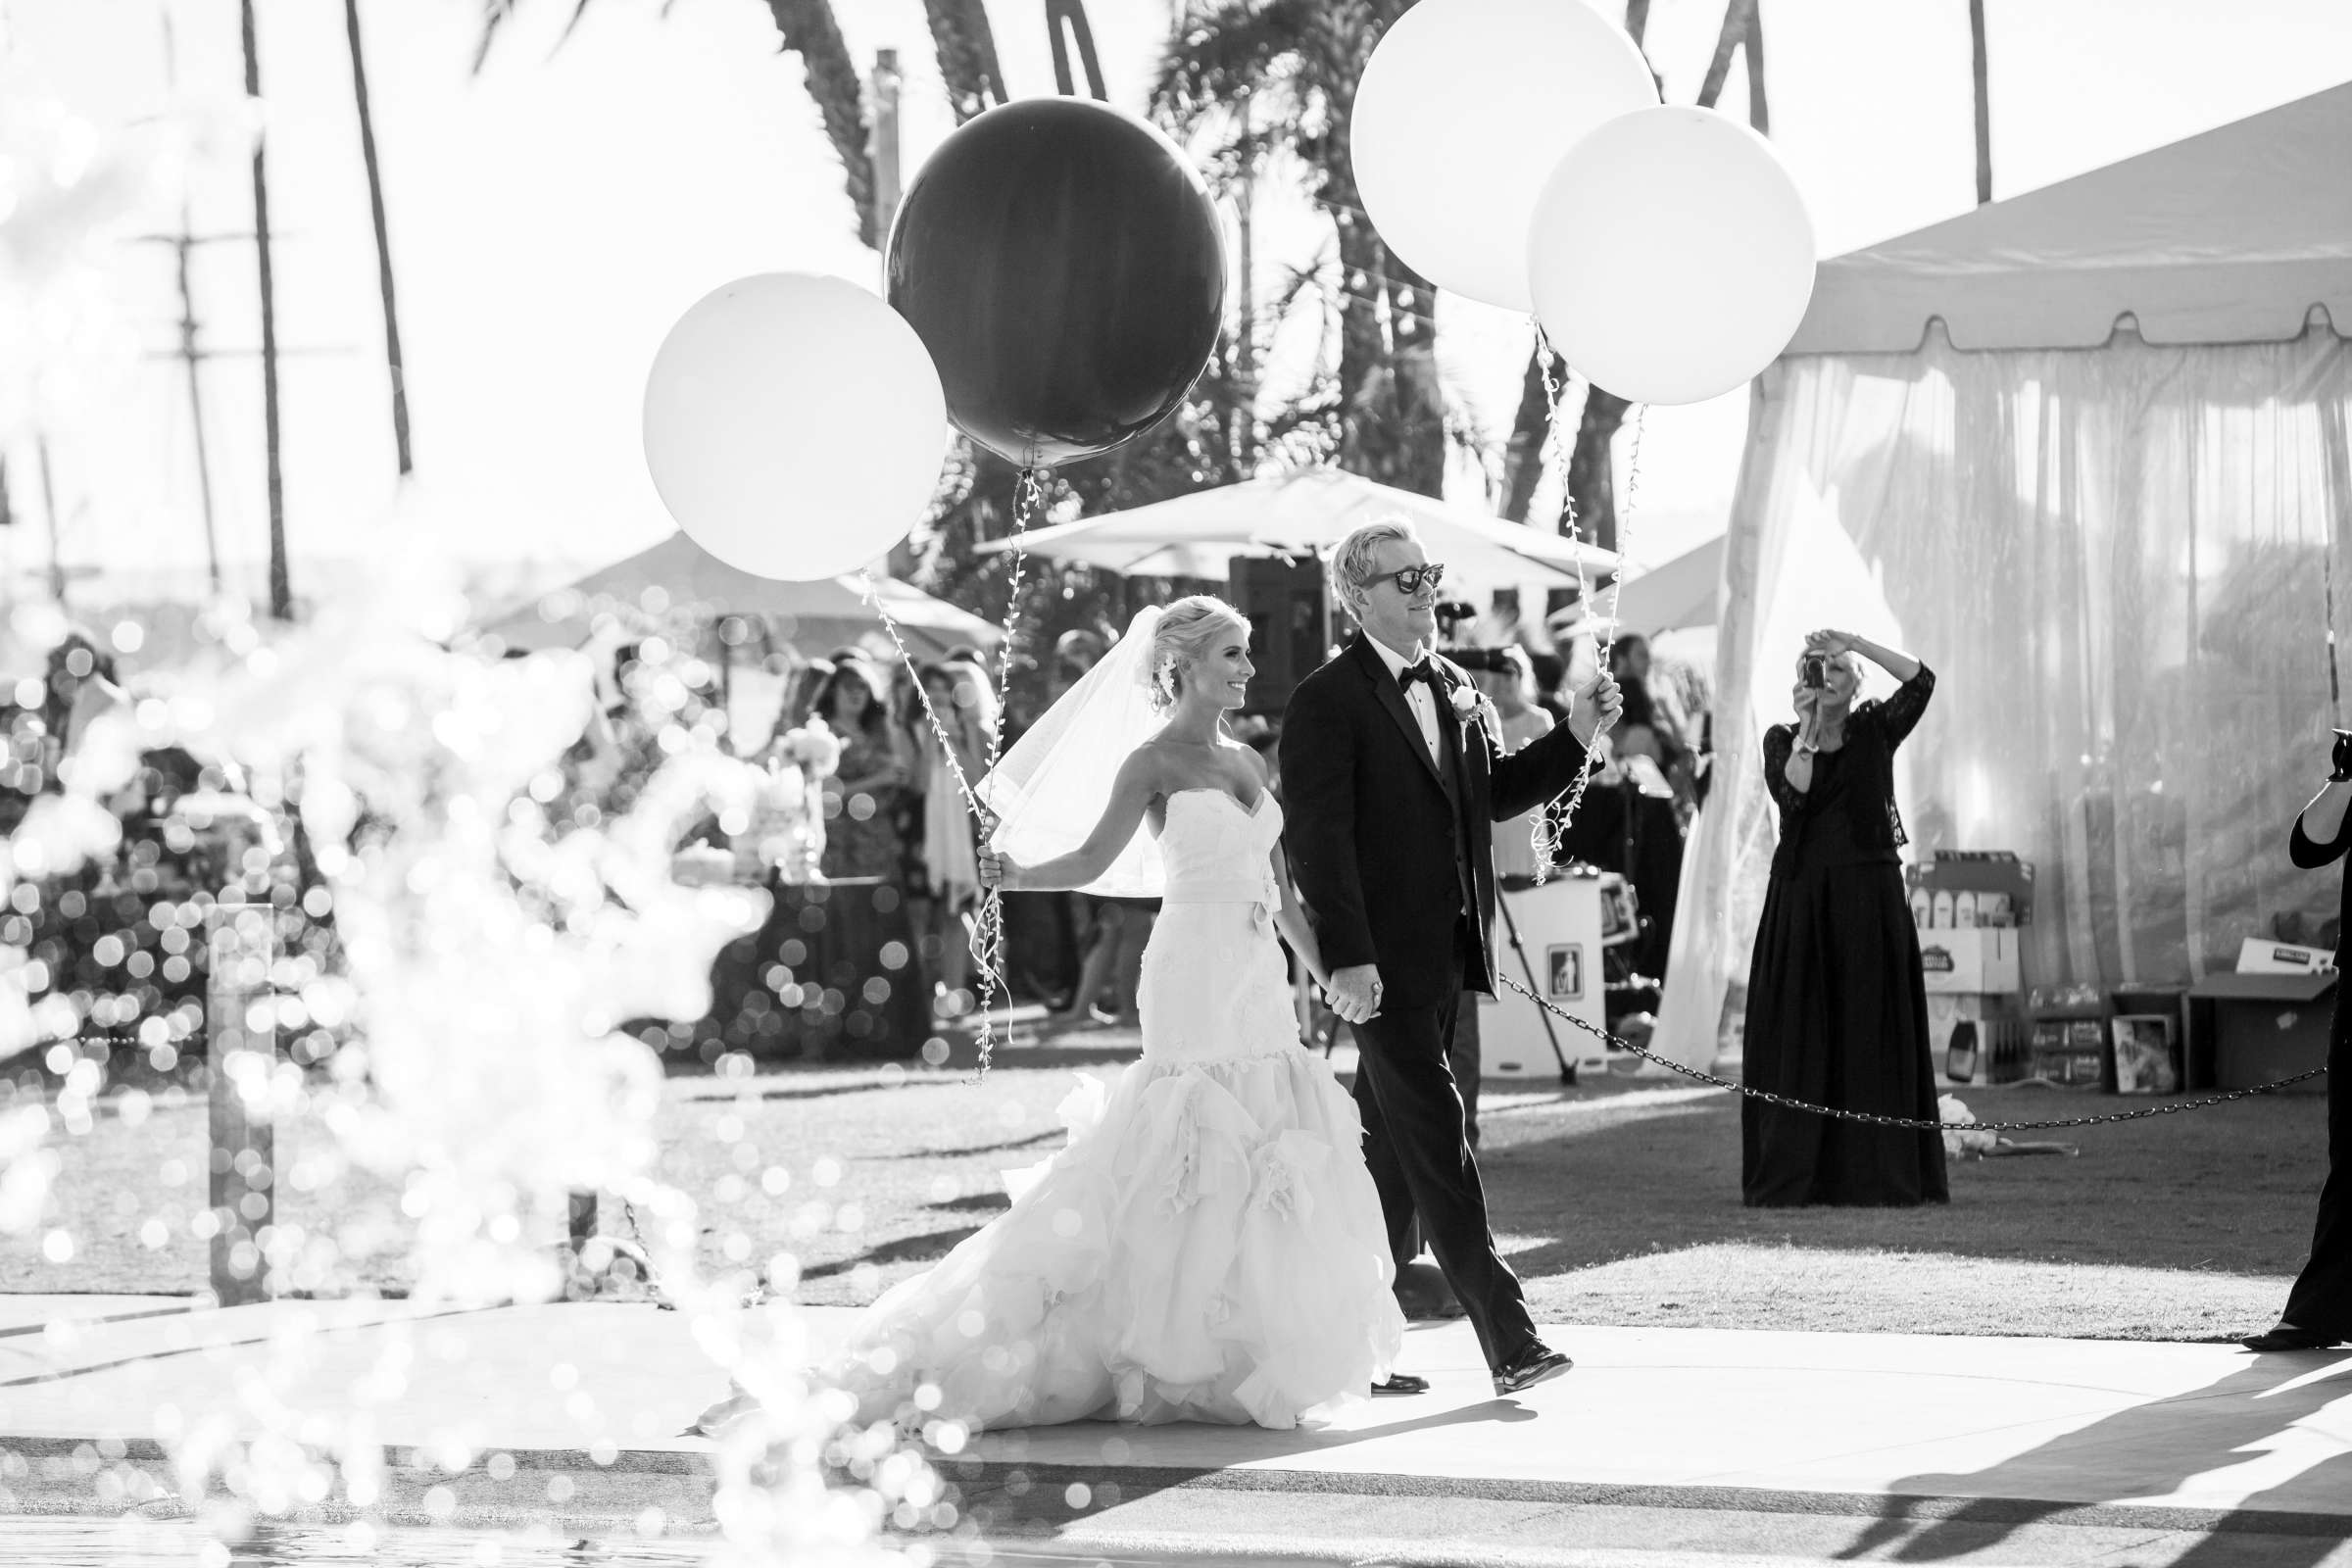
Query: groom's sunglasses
(1412,579)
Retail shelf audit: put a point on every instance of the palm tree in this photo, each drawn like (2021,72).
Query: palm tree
(383,239)
(281,592)
(1298,61)
(1975,40)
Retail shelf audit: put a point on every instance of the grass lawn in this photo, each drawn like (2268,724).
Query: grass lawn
(1618,1203)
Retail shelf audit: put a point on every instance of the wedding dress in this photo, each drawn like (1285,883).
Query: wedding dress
(1208,1246)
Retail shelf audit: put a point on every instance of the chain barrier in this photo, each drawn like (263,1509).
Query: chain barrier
(1910,1123)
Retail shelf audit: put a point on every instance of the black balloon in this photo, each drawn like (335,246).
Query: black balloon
(1065,266)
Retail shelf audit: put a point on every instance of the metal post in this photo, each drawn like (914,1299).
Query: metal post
(241,1040)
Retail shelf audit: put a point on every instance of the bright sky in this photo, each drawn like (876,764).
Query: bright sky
(551,218)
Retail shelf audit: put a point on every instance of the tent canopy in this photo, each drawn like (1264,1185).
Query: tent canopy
(679,577)
(1302,514)
(2227,237)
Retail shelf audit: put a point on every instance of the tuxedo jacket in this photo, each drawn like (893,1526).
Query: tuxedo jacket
(1394,850)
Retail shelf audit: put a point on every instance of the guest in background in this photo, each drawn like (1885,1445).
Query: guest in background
(862,835)
(1836,1009)
(2318,1310)
(966,709)
(1513,689)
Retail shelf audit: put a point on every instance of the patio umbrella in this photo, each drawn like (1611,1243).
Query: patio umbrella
(1678,595)
(1307,512)
(679,577)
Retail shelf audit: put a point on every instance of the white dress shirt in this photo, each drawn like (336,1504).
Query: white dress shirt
(1417,696)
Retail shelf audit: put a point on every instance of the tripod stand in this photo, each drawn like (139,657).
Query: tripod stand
(1511,927)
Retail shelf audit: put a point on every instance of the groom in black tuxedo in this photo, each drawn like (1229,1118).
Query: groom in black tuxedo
(1394,776)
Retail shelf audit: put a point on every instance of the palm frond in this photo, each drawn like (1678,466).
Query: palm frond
(1224,52)
(494,14)
(580,9)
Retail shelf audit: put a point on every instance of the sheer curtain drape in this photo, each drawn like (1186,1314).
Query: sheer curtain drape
(2117,561)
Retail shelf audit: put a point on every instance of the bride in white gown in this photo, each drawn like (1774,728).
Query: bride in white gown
(1208,1246)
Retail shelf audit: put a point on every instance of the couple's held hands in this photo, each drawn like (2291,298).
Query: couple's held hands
(1354,992)
(999,872)
(1596,713)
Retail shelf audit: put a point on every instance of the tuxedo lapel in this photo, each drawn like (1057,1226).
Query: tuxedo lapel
(1391,695)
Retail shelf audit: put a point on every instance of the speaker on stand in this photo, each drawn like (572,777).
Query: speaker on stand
(1290,624)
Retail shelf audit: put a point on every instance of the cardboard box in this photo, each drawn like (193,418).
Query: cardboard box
(2000,1031)
(2146,1048)
(2257,956)
(1970,962)
(2269,1026)
(2070,1052)
(1979,871)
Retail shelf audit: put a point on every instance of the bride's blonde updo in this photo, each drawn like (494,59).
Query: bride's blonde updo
(1187,628)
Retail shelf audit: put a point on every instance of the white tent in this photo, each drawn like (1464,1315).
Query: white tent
(1304,513)
(679,578)
(2090,444)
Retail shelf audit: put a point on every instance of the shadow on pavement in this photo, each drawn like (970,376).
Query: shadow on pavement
(2235,1421)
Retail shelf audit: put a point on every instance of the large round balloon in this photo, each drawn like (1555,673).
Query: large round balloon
(1066,270)
(794,425)
(1464,107)
(1671,256)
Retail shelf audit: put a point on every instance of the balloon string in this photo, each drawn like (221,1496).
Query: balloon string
(1551,827)
(988,922)
(987,925)
(1608,633)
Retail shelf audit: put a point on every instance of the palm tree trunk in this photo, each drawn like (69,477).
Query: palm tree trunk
(1418,462)
(966,49)
(281,592)
(1737,16)
(383,241)
(1975,40)
(1759,117)
(811,30)
(1071,15)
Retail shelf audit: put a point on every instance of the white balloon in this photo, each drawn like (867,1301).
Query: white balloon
(1671,256)
(1463,110)
(794,425)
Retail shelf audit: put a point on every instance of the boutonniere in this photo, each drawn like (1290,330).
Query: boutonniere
(1473,708)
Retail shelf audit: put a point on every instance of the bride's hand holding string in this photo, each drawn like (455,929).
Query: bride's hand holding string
(999,872)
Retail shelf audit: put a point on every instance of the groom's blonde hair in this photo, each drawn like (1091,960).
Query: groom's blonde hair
(1351,564)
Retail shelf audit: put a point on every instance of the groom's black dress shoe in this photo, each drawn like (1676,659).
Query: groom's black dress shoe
(1538,1363)
(2285,1337)
(1401,1382)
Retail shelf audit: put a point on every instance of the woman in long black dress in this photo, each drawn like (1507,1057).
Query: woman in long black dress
(1836,1009)
(2318,1310)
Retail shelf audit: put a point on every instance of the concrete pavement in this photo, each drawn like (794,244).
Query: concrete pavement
(1662,1444)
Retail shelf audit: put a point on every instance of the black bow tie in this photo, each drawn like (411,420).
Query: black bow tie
(1420,669)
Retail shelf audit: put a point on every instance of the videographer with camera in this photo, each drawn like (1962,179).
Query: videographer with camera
(1837,1005)
(2318,1310)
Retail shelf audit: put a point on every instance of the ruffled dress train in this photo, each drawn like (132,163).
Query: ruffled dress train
(1208,1246)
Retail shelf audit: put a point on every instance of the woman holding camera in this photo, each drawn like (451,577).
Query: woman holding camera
(2318,1310)
(1836,1009)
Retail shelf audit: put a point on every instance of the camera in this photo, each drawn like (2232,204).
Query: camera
(1453,613)
(1482,659)
(1815,673)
